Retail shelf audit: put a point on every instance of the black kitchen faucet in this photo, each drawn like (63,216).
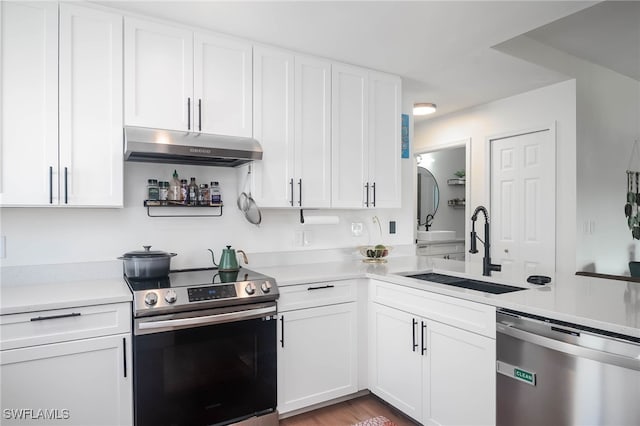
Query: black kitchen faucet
(487,266)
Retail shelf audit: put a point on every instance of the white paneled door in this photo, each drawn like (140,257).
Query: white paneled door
(222,86)
(523,200)
(158,75)
(28,103)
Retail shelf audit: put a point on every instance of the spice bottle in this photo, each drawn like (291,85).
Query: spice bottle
(216,196)
(203,197)
(153,191)
(192,199)
(184,191)
(164,192)
(174,188)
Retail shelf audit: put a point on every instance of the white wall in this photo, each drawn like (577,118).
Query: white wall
(608,122)
(70,235)
(555,103)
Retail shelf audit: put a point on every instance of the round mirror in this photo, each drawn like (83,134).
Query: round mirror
(428,197)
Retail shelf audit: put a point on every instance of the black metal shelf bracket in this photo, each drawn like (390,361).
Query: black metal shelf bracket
(172,207)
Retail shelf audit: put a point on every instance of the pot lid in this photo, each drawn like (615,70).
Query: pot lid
(146,253)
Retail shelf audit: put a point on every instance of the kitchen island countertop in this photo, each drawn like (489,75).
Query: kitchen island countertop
(603,304)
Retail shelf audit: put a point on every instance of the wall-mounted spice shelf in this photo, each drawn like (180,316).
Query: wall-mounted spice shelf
(170,207)
(456,181)
(457,202)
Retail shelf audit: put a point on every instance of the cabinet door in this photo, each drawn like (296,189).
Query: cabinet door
(222,85)
(460,367)
(90,107)
(29,103)
(84,382)
(395,361)
(312,132)
(384,140)
(273,71)
(349,136)
(158,75)
(317,357)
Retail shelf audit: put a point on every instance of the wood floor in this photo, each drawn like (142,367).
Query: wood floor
(349,412)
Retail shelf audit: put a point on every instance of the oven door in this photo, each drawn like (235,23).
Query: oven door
(218,367)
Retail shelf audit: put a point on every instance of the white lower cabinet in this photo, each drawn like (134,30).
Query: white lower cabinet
(82,382)
(317,346)
(459,387)
(72,381)
(433,372)
(394,359)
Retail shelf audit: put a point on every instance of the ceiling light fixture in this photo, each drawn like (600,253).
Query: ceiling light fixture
(424,108)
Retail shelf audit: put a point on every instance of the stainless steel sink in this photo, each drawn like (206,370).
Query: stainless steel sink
(466,283)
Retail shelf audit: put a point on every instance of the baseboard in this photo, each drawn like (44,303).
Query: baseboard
(324,404)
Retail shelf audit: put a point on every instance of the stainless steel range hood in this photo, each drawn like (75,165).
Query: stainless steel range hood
(175,147)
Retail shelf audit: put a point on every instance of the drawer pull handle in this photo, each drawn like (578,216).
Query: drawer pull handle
(73,314)
(321,287)
(282,331)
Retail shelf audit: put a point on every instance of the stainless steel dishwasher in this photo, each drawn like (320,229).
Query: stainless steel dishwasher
(556,373)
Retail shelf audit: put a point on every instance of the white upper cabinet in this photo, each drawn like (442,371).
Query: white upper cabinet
(349,136)
(180,80)
(222,85)
(158,75)
(385,175)
(90,107)
(273,74)
(292,121)
(312,132)
(366,138)
(29,96)
(61,130)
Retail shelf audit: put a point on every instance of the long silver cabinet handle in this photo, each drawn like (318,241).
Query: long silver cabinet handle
(188,113)
(373,185)
(66,187)
(282,331)
(423,349)
(568,348)
(321,287)
(207,319)
(50,317)
(50,185)
(366,190)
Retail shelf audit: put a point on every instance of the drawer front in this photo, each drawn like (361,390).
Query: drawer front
(464,314)
(316,294)
(440,249)
(60,325)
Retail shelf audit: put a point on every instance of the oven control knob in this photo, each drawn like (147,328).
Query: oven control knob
(171,296)
(250,288)
(151,298)
(266,287)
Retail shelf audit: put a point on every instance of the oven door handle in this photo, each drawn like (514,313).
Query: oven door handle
(207,319)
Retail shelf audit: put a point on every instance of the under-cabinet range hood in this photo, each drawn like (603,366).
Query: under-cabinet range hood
(176,147)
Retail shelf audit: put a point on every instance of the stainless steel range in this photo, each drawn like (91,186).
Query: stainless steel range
(205,348)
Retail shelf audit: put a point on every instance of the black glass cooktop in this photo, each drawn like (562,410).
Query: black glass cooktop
(195,278)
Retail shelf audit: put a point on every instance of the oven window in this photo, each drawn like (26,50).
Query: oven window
(215,374)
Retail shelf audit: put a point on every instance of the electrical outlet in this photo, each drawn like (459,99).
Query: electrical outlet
(298,238)
(357,228)
(392,227)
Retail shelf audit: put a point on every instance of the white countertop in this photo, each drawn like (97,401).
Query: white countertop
(604,304)
(594,302)
(40,297)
